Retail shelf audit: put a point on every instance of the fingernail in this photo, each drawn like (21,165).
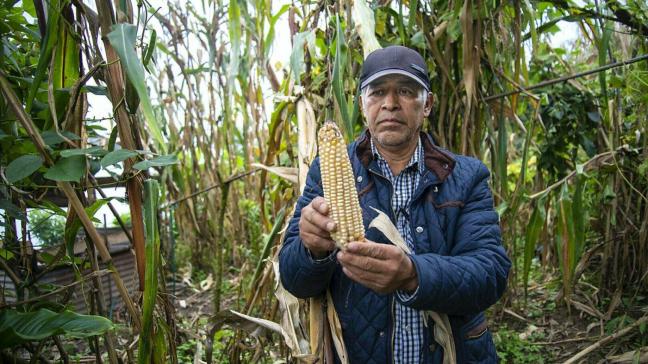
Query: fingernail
(330,226)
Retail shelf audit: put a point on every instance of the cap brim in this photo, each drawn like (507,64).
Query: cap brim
(393,71)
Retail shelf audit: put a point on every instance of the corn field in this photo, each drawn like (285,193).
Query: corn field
(211,112)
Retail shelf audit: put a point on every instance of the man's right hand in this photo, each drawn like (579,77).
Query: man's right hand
(315,227)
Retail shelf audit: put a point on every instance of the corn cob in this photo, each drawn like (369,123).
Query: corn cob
(339,186)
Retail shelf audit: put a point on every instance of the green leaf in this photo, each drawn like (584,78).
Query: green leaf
(51,137)
(47,205)
(92,151)
(12,210)
(17,327)
(3,135)
(149,49)
(533,230)
(95,90)
(234,15)
(71,229)
(164,160)
(566,240)
(46,49)
(152,249)
(269,40)
(297,64)
(338,80)
(123,38)
(594,116)
(112,139)
(117,156)
(22,167)
(67,169)
(6,254)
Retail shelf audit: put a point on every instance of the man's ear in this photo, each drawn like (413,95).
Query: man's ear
(429,101)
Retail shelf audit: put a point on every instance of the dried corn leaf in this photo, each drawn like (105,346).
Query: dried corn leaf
(442,328)
(290,321)
(336,330)
(288,173)
(306,139)
(365,25)
(469,54)
(385,226)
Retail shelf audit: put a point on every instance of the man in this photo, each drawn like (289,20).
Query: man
(442,206)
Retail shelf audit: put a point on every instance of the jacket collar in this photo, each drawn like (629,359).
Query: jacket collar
(436,160)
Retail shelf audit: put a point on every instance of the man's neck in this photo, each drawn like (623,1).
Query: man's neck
(397,158)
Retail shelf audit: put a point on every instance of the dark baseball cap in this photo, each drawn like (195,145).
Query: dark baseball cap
(394,60)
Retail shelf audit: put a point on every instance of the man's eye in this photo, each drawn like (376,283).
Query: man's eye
(377,93)
(405,92)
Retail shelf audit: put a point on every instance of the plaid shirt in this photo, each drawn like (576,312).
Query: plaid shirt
(408,329)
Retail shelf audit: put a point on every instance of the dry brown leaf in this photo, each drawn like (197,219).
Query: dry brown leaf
(306,139)
(442,328)
(289,173)
(635,356)
(385,226)
(336,330)
(469,76)
(365,25)
(289,308)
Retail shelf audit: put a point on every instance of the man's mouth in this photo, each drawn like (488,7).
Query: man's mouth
(389,121)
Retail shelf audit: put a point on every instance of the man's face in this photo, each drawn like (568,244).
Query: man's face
(394,107)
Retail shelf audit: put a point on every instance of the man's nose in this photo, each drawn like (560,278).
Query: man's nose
(390,102)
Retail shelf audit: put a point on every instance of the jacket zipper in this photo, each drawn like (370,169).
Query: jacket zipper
(392,303)
(393,330)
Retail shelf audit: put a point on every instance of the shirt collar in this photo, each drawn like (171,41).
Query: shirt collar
(414,161)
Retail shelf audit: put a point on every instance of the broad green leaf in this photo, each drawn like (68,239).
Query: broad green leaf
(161,161)
(67,169)
(234,13)
(566,238)
(535,226)
(71,229)
(117,156)
(580,216)
(95,90)
(6,254)
(12,210)
(47,205)
(152,249)
(22,167)
(51,137)
(279,222)
(3,135)
(123,38)
(17,327)
(271,31)
(65,66)
(297,55)
(46,49)
(112,139)
(149,49)
(91,151)
(338,80)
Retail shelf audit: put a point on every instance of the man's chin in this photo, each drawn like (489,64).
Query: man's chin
(389,140)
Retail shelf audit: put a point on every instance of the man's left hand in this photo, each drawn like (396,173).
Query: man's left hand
(383,268)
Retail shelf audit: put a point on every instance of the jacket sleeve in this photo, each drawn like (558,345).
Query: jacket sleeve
(474,274)
(301,275)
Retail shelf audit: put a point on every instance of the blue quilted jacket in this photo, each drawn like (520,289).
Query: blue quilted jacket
(461,265)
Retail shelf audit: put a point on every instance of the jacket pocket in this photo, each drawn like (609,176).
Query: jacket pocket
(479,348)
